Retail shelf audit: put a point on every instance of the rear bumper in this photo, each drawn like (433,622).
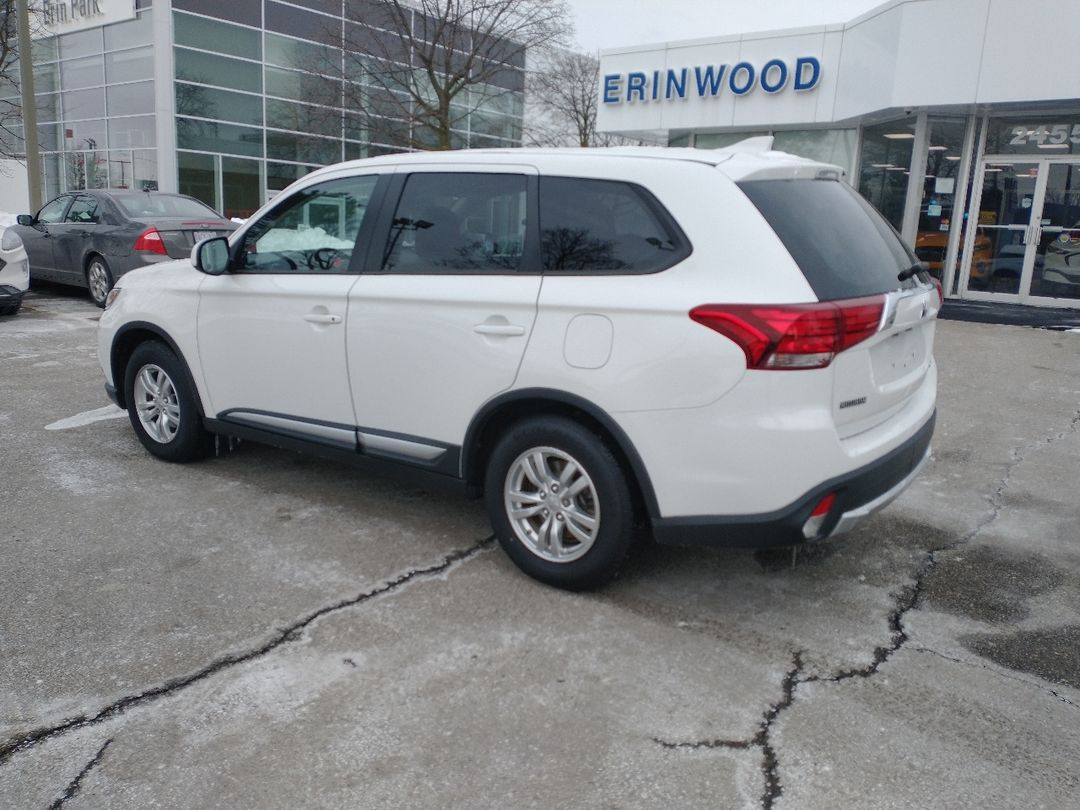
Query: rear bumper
(10,294)
(859,494)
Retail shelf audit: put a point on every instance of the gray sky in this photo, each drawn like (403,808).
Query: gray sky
(604,24)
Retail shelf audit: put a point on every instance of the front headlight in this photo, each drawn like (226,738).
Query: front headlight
(114,293)
(10,240)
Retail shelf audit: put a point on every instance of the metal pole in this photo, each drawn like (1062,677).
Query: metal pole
(29,105)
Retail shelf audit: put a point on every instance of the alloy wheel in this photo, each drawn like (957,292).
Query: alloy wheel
(98,278)
(552,504)
(157,403)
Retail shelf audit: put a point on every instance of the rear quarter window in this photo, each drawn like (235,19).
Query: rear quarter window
(606,226)
(843,246)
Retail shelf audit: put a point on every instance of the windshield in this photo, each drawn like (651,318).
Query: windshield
(843,246)
(163,205)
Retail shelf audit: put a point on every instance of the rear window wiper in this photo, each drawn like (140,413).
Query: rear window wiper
(904,275)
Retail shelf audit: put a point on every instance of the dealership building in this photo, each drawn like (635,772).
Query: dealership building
(226,101)
(958,119)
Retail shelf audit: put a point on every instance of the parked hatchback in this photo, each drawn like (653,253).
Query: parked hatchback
(91,238)
(727,347)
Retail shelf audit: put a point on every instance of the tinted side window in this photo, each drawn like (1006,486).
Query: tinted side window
(843,246)
(460,222)
(54,211)
(605,226)
(83,210)
(312,231)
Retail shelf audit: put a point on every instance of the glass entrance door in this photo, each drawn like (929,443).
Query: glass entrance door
(1027,239)
(1056,272)
(1003,228)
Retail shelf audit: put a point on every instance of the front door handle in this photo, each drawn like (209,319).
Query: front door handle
(320,318)
(499,329)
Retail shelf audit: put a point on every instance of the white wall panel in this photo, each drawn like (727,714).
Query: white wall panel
(904,54)
(867,65)
(940,47)
(1031,52)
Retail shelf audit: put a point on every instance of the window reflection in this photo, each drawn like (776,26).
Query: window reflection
(600,226)
(884,167)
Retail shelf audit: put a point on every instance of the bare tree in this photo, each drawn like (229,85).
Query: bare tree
(10,106)
(416,70)
(563,96)
(11,140)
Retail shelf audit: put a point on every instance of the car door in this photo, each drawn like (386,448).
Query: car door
(271,332)
(72,237)
(38,238)
(439,320)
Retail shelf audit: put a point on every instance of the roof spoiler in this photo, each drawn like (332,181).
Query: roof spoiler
(759,143)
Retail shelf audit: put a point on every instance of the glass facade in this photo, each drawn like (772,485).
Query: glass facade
(885,165)
(260,99)
(943,193)
(95,100)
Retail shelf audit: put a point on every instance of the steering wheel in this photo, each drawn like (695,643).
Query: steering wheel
(323,257)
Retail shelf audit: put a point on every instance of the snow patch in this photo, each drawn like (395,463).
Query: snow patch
(286,239)
(87,418)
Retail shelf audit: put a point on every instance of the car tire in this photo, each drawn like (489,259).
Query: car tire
(560,503)
(163,406)
(10,309)
(99,279)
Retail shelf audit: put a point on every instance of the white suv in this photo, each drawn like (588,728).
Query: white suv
(727,347)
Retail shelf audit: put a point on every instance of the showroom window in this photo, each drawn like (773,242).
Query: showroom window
(884,167)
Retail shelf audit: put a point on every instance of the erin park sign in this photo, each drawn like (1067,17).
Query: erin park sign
(711,81)
(68,16)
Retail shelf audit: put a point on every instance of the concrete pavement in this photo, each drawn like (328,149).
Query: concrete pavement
(270,630)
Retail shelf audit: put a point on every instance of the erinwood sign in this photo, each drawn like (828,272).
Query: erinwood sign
(711,81)
(68,16)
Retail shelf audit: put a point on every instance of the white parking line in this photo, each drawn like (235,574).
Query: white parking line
(87,418)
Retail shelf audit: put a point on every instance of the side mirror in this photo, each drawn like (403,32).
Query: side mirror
(25,219)
(211,256)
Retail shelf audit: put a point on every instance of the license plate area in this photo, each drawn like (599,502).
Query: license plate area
(202,236)
(898,356)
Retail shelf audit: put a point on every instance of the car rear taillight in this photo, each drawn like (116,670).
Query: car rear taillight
(794,336)
(150,241)
(940,291)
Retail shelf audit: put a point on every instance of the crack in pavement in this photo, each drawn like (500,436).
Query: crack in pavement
(907,600)
(995,671)
(76,783)
(24,742)
(770,765)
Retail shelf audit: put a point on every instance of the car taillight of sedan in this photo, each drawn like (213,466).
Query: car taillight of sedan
(150,241)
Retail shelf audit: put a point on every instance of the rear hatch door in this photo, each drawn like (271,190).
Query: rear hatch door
(846,250)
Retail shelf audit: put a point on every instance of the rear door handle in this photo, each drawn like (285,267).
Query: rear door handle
(499,329)
(319,318)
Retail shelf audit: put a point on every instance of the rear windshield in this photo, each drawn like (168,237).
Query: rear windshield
(843,246)
(163,205)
